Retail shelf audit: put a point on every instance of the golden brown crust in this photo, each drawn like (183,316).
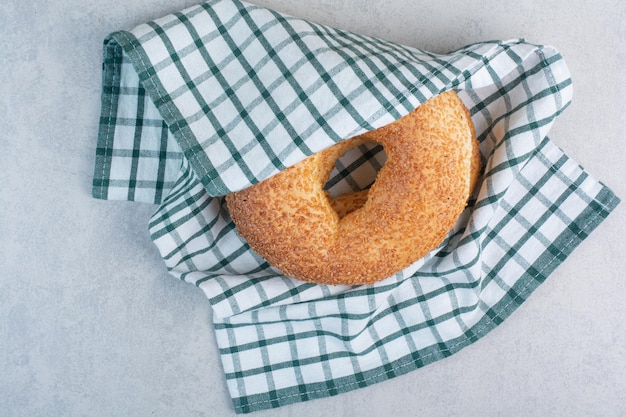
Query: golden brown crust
(347,203)
(433,164)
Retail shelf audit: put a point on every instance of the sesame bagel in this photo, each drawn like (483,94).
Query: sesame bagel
(432,167)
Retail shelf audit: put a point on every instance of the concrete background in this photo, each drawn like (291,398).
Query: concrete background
(91,324)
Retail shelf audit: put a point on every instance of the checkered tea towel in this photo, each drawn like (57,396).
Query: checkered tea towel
(225,94)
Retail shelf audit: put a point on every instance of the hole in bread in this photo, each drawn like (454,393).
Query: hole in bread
(353,174)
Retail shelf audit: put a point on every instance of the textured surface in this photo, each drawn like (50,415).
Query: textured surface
(87,334)
(432,166)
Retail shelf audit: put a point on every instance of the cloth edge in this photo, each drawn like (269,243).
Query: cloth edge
(597,211)
(106,130)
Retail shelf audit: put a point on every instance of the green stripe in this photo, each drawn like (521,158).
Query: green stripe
(163,158)
(143,184)
(168,110)
(312,334)
(343,100)
(137,143)
(317,390)
(591,217)
(503,91)
(380,74)
(302,96)
(111,66)
(183,125)
(369,156)
(243,113)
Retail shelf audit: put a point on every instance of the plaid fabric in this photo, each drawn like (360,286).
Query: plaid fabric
(225,94)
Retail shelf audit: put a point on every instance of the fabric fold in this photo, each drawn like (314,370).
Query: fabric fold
(247,91)
(225,94)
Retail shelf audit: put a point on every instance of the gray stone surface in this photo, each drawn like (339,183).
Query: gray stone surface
(91,324)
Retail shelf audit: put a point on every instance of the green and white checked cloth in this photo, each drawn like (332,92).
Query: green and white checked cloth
(225,94)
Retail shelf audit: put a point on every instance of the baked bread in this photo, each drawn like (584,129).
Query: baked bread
(432,167)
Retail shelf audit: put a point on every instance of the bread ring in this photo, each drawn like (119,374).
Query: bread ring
(432,167)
